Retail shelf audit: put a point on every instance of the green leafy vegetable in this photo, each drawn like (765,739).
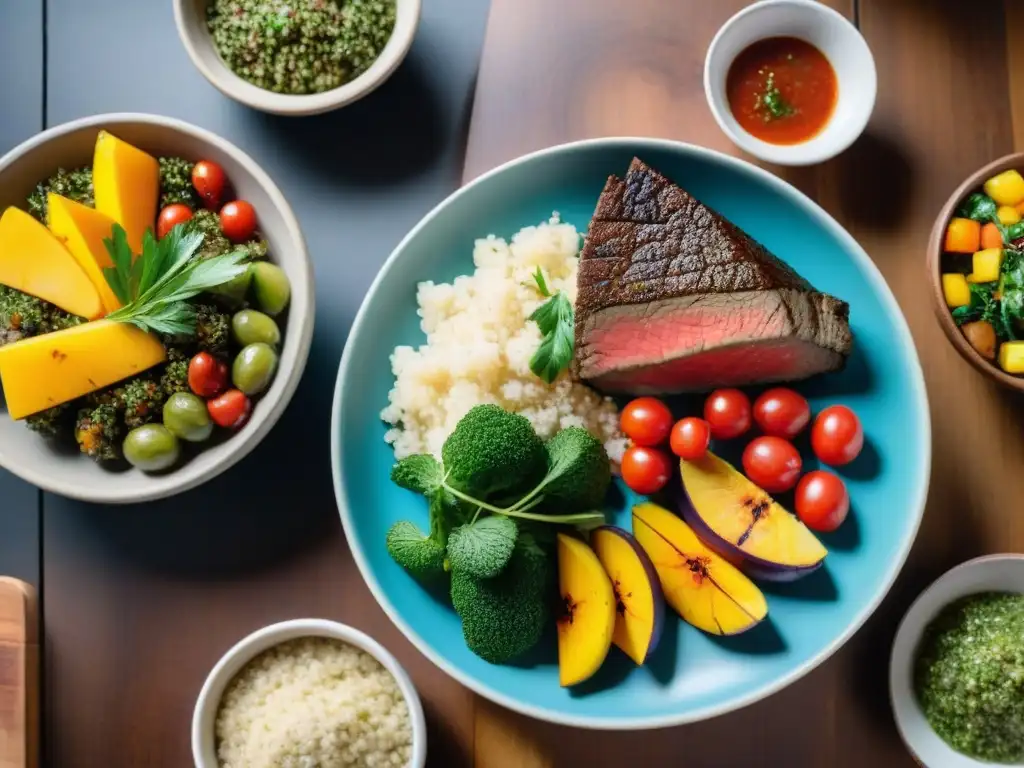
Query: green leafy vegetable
(418,553)
(482,549)
(1011,294)
(155,287)
(556,322)
(983,306)
(978,206)
(420,473)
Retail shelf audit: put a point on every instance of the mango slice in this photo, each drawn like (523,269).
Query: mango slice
(586,626)
(44,371)
(33,261)
(703,588)
(127,185)
(82,230)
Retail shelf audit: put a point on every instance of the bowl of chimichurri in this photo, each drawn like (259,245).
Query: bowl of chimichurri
(296,57)
(956,674)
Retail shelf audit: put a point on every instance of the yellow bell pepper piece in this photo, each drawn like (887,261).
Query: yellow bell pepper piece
(1008,215)
(1011,356)
(1006,188)
(986,265)
(956,290)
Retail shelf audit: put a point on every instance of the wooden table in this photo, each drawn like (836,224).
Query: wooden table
(138,603)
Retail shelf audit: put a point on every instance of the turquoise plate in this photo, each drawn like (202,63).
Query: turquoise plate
(692,675)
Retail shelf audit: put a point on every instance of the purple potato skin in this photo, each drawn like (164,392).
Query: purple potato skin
(754,567)
(652,576)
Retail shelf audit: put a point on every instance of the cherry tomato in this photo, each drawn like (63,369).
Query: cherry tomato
(781,412)
(690,438)
(772,463)
(822,501)
(728,413)
(231,409)
(210,182)
(207,376)
(646,470)
(238,220)
(171,216)
(837,435)
(646,421)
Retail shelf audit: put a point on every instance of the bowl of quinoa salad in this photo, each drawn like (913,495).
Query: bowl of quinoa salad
(81,448)
(297,57)
(308,692)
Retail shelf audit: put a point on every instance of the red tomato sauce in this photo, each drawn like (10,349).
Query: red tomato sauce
(782,90)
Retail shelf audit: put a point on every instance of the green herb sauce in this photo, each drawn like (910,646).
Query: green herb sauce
(300,46)
(969,676)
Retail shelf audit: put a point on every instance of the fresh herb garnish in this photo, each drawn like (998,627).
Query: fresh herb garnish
(542,284)
(771,101)
(155,287)
(556,322)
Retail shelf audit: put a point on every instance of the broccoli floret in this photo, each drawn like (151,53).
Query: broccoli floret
(22,316)
(213,330)
(214,241)
(504,617)
(51,422)
(75,185)
(492,451)
(579,471)
(174,377)
(483,548)
(176,182)
(98,432)
(141,399)
(420,554)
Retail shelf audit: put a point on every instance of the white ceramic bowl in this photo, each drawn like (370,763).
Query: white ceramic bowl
(995,573)
(190,17)
(833,35)
(204,716)
(67,472)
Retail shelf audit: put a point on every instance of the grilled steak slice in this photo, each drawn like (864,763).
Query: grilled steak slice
(671,297)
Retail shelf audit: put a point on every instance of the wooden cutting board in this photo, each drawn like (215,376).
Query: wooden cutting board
(19,675)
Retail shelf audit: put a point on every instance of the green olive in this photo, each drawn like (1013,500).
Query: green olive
(250,326)
(270,286)
(185,415)
(151,447)
(254,368)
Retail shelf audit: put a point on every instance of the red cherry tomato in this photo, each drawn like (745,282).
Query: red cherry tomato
(837,435)
(822,501)
(728,413)
(772,463)
(238,220)
(781,412)
(230,410)
(207,376)
(646,470)
(690,438)
(172,216)
(646,421)
(210,181)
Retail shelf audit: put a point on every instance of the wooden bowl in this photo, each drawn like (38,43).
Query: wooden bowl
(971,184)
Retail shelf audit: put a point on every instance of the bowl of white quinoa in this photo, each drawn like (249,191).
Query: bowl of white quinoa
(308,692)
(297,57)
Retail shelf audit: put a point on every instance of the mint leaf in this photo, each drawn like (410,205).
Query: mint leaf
(482,549)
(420,473)
(556,322)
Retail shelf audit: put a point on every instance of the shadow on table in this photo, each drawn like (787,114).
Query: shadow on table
(394,133)
(274,504)
(876,181)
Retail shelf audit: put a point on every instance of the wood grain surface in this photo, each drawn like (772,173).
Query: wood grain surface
(19,675)
(951,98)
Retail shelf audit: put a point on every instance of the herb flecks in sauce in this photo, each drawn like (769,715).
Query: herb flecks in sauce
(969,676)
(771,102)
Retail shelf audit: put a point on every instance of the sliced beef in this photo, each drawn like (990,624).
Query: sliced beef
(671,297)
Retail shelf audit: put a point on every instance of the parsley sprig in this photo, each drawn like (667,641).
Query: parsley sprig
(155,287)
(555,318)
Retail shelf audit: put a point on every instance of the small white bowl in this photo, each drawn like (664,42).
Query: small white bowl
(204,752)
(828,31)
(995,573)
(190,17)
